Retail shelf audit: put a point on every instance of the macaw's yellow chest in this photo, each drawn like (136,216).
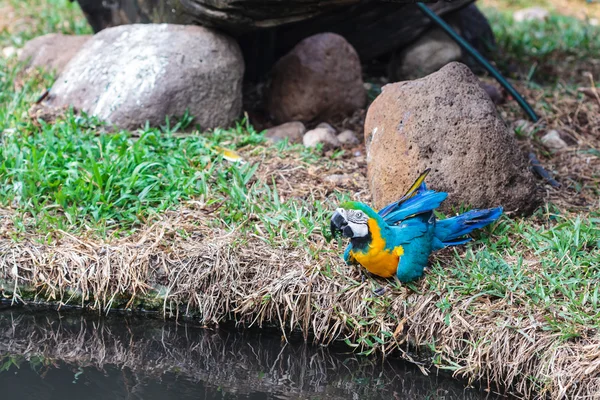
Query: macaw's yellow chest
(375,258)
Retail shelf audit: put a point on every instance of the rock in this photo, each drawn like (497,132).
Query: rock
(268,28)
(325,125)
(52,51)
(448,123)
(494,93)
(321,135)
(348,138)
(530,14)
(594,21)
(429,53)
(10,51)
(320,78)
(48,114)
(523,127)
(339,179)
(131,74)
(553,141)
(293,131)
(475,28)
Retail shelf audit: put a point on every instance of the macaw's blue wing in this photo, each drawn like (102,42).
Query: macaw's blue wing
(347,254)
(417,200)
(416,235)
(417,186)
(410,230)
(422,202)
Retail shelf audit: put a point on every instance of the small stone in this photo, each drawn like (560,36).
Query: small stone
(530,14)
(493,92)
(594,22)
(523,127)
(338,178)
(320,78)
(348,137)
(52,51)
(325,125)
(429,53)
(293,131)
(9,52)
(321,135)
(553,141)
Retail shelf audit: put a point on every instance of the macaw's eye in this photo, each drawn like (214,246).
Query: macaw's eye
(357,216)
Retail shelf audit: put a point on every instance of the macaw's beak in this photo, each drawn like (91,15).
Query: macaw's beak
(339,225)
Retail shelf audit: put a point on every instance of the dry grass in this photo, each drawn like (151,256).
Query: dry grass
(577,118)
(204,273)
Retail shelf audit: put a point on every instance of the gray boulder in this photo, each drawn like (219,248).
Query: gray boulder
(131,74)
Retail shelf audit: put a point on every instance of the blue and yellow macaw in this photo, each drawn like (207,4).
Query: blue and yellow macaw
(399,239)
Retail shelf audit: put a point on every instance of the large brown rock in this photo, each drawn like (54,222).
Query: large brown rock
(446,122)
(321,78)
(52,51)
(131,74)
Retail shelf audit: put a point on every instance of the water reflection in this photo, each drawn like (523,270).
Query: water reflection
(69,355)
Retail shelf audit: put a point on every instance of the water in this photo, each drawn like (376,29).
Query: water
(71,355)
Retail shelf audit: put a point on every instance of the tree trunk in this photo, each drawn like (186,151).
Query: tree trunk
(268,29)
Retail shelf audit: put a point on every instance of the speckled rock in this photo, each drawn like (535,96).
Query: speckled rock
(446,122)
(320,78)
(52,51)
(131,74)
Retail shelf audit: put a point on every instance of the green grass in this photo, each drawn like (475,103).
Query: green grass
(558,35)
(39,17)
(67,176)
(555,44)
(549,262)
(70,176)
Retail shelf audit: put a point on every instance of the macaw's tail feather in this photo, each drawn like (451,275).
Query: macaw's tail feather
(450,231)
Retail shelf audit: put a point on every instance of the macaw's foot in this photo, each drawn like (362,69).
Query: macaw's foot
(363,276)
(379,292)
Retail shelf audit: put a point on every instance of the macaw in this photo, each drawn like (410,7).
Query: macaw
(397,240)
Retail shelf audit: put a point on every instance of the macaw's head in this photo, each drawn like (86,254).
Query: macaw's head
(351,220)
